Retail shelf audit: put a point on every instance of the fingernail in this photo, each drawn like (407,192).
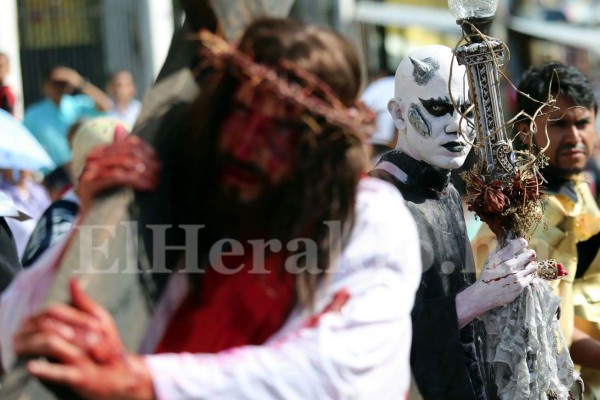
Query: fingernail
(34,366)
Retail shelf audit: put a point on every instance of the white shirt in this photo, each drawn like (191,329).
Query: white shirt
(361,352)
(128,115)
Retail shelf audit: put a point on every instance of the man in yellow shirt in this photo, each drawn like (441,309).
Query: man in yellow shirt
(565,128)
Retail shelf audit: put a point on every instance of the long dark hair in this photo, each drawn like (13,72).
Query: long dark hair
(329,161)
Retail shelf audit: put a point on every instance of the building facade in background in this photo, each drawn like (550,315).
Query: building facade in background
(95,37)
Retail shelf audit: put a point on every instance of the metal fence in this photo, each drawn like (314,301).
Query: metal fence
(59,32)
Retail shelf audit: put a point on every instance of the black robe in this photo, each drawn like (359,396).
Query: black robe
(445,360)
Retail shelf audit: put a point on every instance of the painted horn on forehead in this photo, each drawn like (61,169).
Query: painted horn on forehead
(424,69)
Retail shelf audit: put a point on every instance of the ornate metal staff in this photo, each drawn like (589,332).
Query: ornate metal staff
(496,170)
(524,347)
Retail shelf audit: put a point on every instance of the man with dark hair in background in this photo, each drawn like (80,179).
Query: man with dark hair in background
(560,119)
(567,130)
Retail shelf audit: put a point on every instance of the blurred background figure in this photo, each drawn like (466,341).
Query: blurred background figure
(68,97)
(21,156)
(29,197)
(7,97)
(60,180)
(57,182)
(376,97)
(58,219)
(122,91)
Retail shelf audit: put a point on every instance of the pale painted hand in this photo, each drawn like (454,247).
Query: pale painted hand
(504,276)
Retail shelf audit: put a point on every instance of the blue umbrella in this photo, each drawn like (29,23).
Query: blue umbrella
(19,149)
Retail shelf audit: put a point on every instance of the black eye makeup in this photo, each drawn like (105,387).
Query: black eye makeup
(438,107)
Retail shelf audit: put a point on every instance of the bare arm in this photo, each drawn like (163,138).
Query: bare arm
(467,309)
(102,101)
(72,77)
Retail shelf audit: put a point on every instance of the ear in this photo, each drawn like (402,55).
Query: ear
(523,132)
(395,109)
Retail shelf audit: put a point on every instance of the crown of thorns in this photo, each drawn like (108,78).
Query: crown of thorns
(313,95)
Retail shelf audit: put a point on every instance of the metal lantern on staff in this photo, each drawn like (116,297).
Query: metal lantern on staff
(504,186)
(525,350)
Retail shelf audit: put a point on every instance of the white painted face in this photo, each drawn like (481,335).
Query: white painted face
(431,129)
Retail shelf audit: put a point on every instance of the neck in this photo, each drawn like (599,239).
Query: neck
(557,174)
(403,147)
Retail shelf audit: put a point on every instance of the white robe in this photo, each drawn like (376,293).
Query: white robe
(361,352)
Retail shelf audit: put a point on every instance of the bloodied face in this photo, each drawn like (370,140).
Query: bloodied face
(429,84)
(256,144)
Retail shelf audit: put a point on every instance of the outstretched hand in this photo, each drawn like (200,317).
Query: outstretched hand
(506,273)
(127,162)
(86,351)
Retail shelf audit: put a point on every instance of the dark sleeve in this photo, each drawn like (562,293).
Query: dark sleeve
(587,251)
(437,355)
(55,222)
(9,260)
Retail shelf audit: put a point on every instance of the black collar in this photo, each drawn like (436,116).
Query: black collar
(420,174)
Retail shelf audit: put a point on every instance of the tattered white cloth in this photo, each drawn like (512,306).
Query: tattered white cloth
(526,349)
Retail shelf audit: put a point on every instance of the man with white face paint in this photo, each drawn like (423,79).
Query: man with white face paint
(423,108)
(429,110)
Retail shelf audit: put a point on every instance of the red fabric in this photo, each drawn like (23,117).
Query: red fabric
(232,310)
(7,99)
